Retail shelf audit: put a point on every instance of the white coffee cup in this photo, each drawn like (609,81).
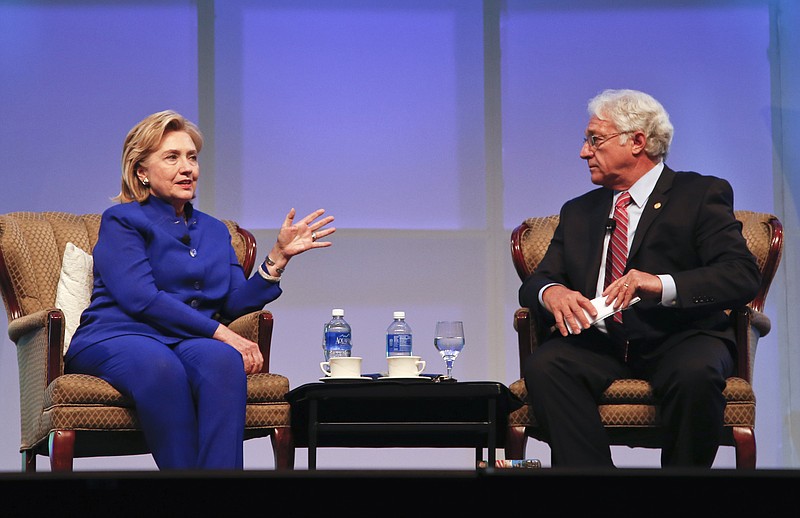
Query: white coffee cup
(405,366)
(342,367)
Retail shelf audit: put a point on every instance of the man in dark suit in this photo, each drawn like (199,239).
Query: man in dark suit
(687,262)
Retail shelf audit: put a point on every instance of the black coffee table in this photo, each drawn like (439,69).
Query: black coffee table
(401,413)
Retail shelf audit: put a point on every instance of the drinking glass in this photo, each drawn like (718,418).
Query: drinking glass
(449,340)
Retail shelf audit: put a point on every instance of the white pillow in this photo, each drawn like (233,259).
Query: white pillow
(74,288)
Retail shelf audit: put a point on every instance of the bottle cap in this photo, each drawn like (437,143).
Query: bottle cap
(337,313)
(399,314)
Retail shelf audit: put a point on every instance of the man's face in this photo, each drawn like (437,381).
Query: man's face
(608,159)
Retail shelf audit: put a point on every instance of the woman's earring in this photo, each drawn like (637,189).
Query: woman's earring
(145,182)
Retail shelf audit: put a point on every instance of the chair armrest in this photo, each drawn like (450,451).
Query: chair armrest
(21,326)
(530,333)
(39,338)
(45,328)
(256,326)
(749,325)
(522,324)
(760,322)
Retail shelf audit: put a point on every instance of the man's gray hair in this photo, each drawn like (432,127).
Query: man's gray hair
(631,110)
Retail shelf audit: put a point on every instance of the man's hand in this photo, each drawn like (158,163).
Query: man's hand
(567,306)
(633,284)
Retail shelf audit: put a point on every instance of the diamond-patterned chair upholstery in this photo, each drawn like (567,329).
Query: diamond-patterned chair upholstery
(627,408)
(66,416)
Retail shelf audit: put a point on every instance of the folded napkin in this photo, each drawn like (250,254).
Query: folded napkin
(603,310)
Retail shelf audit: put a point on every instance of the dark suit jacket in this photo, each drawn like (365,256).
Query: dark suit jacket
(687,230)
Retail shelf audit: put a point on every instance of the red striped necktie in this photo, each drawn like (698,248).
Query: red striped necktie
(618,245)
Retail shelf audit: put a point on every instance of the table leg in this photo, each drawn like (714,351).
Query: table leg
(313,422)
(492,438)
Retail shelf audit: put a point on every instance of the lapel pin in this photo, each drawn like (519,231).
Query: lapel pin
(657,205)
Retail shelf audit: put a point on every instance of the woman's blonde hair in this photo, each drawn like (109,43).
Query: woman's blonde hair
(141,142)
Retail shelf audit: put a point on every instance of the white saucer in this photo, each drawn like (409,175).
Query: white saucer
(343,378)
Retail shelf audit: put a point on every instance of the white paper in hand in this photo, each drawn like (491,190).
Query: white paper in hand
(603,310)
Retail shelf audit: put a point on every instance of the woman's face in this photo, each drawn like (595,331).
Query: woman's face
(172,170)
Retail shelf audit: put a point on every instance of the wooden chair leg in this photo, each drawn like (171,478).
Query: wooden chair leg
(516,441)
(745,441)
(283,448)
(62,450)
(29,461)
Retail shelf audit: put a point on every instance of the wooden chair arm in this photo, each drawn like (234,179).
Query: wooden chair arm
(21,326)
(45,328)
(39,338)
(760,322)
(256,326)
(749,325)
(522,324)
(530,333)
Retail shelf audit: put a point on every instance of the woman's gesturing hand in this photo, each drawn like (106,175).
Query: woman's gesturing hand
(297,237)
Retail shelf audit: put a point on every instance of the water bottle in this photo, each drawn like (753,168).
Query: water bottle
(336,336)
(398,336)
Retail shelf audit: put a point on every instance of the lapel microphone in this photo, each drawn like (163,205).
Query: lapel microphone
(611,224)
(186,239)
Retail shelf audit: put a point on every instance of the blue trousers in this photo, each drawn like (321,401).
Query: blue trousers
(190,397)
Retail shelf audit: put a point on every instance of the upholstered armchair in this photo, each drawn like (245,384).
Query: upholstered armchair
(627,408)
(65,416)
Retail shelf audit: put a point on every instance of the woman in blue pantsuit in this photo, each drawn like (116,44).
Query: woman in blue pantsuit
(162,271)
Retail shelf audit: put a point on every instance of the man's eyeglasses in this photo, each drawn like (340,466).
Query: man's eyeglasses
(594,141)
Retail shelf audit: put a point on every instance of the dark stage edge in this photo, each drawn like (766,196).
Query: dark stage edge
(509,492)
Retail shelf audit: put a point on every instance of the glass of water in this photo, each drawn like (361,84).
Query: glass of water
(449,340)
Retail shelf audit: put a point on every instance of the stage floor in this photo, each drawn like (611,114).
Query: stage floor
(511,492)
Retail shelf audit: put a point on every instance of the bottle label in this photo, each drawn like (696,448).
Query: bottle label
(398,345)
(335,340)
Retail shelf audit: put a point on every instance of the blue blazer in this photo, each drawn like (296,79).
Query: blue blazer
(161,276)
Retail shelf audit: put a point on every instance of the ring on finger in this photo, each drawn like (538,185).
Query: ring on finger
(313,236)
(625,284)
